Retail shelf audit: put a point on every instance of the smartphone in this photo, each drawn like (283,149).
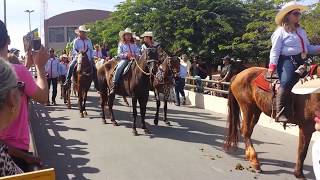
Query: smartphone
(36,44)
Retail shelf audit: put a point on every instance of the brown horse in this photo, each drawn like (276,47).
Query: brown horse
(134,83)
(167,69)
(82,79)
(246,96)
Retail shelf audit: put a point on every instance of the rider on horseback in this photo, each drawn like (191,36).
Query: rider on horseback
(148,41)
(82,43)
(290,47)
(127,51)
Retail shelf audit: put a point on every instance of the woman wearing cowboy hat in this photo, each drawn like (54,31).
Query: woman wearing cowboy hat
(148,40)
(82,43)
(127,51)
(290,47)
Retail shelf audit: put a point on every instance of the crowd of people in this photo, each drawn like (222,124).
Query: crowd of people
(17,86)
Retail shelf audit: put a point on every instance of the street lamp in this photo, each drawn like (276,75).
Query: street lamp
(29,12)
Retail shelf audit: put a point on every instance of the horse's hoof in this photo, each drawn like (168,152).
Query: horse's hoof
(146,131)
(299,175)
(156,122)
(135,133)
(256,166)
(104,121)
(115,123)
(81,115)
(85,113)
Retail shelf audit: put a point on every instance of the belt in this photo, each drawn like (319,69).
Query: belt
(293,57)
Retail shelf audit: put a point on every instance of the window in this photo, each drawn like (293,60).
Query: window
(71,34)
(56,34)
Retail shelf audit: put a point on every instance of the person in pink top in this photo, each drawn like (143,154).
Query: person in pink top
(16,135)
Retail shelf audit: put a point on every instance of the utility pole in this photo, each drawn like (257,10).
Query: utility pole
(5,12)
(29,12)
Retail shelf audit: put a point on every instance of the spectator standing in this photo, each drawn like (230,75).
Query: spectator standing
(105,51)
(52,69)
(198,71)
(180,83)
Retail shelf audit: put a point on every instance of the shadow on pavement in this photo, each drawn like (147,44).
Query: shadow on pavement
(59,153)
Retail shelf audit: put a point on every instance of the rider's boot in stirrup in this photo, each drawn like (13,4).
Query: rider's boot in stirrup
(282,105)
(112,88)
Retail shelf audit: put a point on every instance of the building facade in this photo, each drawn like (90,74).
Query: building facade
(60,29)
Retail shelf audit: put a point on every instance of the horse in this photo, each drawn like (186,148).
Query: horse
(82,79)
(247,97)
(167,69)
(133,83)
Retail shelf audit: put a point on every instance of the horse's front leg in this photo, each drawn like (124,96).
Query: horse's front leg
(102,105)
(110,106)
(134,113)
(156,117)
(305,134)
(80,100)
(165,109)
(143,106)
(85,94)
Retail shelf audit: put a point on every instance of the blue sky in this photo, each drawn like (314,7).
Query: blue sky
(17,19)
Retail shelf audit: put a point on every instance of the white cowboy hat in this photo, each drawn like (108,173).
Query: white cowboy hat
(307,87)
(292,5)
(64,56)
(147,34)
(82,28)
(126,31)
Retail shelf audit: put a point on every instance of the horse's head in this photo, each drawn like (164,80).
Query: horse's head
(151,56)
(173,64)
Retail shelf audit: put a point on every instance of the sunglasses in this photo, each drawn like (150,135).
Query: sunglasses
(296,13)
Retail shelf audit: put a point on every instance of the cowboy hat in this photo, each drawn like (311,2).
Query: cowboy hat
(81,28)
(64,56)
(308,87)
(126,31)
(147,34)
(290,6)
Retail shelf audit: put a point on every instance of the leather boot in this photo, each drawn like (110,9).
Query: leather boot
(282,105)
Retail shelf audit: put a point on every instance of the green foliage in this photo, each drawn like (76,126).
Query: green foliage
(214,28)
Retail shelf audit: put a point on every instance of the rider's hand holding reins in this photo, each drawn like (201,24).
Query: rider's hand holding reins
(272,69)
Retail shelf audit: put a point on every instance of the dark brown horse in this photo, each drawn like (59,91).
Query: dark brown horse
(82,79)
(134,83)
(167,69)
(247,97)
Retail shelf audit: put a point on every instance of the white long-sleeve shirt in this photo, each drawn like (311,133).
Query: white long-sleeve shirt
(289,43)
(52,68)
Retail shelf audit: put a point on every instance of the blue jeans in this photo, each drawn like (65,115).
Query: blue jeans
(285,69)
(120,67)
(179,89)
(71,68)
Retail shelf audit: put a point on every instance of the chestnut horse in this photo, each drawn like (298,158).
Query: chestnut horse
(245,96)
(82,79)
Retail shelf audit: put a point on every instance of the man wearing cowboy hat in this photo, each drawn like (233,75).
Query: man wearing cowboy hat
(148,40)
(82,43)
(290,46)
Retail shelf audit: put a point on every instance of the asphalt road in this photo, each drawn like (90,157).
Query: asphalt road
(190,149)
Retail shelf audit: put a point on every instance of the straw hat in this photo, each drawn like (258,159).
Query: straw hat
(126,31)
(81,28)
(308,87)
(292,5)
(64,56)
(147,34)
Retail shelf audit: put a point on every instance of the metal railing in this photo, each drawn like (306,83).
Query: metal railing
(212,87)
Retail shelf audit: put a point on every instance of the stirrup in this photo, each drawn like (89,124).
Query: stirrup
(280,117)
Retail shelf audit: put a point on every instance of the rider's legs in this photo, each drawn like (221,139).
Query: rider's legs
(70,71)
(288,78)
(120,67)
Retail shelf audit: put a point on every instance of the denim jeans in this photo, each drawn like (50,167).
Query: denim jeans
(198,84)
(120,67)
(179,89)
(285,69)
(71,68)
(54,82)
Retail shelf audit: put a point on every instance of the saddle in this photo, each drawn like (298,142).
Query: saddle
(125,70)
(271,84)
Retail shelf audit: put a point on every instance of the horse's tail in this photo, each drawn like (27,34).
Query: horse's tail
(233,122)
